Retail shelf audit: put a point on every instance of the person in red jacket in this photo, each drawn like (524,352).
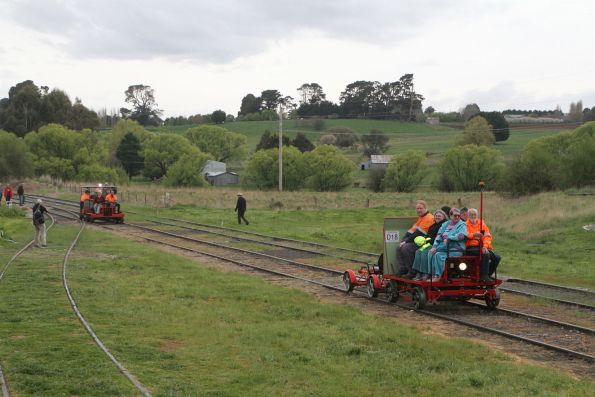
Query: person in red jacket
(8,194)
(489,259)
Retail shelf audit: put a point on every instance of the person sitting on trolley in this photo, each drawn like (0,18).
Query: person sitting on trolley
(112,199)
(450,241)
(84,198)
(489,259)
(97,202)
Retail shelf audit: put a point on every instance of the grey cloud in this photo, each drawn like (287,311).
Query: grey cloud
(208,31)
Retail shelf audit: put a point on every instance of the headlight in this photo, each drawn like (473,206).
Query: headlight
(462,266)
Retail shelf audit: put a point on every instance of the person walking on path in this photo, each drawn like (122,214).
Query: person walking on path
(8,195)
(39,222)
(21,193)
(241,209)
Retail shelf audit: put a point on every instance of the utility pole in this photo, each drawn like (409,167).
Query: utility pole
(280,147)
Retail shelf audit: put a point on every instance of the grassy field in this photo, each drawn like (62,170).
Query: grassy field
(433,140)
(185,328)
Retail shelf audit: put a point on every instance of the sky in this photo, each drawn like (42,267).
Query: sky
(200,56)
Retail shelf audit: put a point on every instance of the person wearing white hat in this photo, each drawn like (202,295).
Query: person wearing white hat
(241,209)
(39,223)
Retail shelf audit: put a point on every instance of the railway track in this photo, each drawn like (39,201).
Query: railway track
(70,216)
(572,340)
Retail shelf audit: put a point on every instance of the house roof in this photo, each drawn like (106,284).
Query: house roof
(380,158)
(213,174)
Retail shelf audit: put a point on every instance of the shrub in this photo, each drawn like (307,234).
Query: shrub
(463,167)
(375,178)
(477,132)
(345,136)
(96,172)
(187,171)
(406,171)
(328,168)
(263,168)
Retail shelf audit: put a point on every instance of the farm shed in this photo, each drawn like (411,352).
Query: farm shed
(214,166)
(222,178)
(376,162)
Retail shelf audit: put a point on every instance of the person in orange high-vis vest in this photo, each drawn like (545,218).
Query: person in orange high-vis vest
(85,197)
(113,200)
(407,248)
(489,259)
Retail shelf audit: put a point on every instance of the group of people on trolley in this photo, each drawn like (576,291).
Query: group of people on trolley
(448,232)
(100,197)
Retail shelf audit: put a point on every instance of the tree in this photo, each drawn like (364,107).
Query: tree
(498,125)
(374,143)
(463,167)
(187,171)
(358,97)
(375,179)
(161,152)
(270,99)
(14,162)
(322,108)
(263,168)
(123,127)
(270,141)
(345,136)
(311,93)
(129,154)
(250,104)
(56,107)
(302,143)
(429,110)
(477,132)
(406,171)
(469,111)
(222,144)
(218,116)
(328,169)
(97,172)
(142,99)
(575,114)
(21,111)
(80,117)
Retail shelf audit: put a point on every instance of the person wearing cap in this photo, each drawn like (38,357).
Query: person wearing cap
(39,223)
(407,248)
(420,263)
(241,209)
(489,259)
(450,241)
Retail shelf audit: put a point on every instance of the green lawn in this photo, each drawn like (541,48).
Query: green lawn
(185,328)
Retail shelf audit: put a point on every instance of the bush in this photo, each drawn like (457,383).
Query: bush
(556,162)
(477,132)
(187,171)
(328,168)
(406,171)
(96,172)
(263,168)
(327,139)
(375,178)
(345,136)
(463,167)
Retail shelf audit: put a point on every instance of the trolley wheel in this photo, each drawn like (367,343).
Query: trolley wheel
(492,303)
(392,292)
(419,298)
(347,282)
(372,292)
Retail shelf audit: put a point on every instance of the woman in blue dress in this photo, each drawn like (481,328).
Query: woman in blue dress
(450,241)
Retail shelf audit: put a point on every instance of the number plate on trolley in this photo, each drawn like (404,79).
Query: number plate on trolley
(392,236)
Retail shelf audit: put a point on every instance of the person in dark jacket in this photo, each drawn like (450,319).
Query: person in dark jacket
(39,222)
(241,209)
(21,194)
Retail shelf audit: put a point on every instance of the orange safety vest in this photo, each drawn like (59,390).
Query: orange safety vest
(422,224)
(112,198)
(475,228)
(85,197)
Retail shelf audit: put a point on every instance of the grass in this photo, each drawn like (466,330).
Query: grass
(188,329)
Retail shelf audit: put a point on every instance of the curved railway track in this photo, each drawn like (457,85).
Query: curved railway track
(562,337)
(70,215)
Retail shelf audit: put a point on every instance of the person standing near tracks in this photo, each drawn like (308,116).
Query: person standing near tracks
(21,194)
(39,222)
(8,195)
(241,209)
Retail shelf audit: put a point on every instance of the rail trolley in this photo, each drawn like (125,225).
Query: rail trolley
(98,208)
(460,280)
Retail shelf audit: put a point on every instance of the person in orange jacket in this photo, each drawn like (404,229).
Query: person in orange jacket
(407,248)
(489,260)
(113,200)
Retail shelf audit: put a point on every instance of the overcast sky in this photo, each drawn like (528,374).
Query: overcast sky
(200,56)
